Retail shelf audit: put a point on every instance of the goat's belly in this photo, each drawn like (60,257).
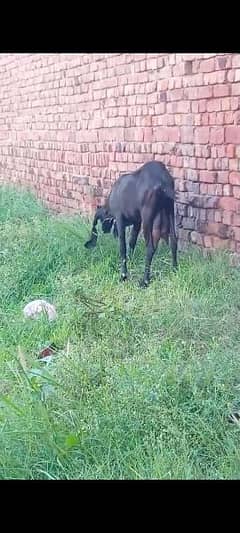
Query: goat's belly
(130,219)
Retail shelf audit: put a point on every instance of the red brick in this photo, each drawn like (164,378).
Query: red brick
(151,63)
(232,134)
(203,188)
(216,135)
(214,189)
(147,135)
(197,120)
(227,190)
(204,119)
(176,94)
(236,220)
(183,107)
(207,176)
(237,118)
(160,108)
(171,85)
(230,150)
(230,204)
(234,103)
(202,106)
(210,78)
(233,164)
(160,62)
(227,217)
(222,244)
(141,77)
(218,229)
(236,89)
(171,107)
(201,135)
(174,135)
(225,104)
(180,185)
(162,85)
(146,120)
(236,233)
(178,70)
(222,177)
(220,118)
(207,65)
(171,134)
(212,118)
(220,150)
(230,76)
(221,90)
(236,192)
(221,76)
(223,62)
(195,107)
(217,216)
(187,135)
(234,178)
(202,151)
(213,105)
(188,66)
(166,73)
(205,92)
(208,241)
(229,117)
(201,163)
(236,60)
(152,98)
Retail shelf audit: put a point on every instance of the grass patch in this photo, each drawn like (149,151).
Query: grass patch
(145,379)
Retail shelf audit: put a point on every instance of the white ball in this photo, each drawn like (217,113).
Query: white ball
(36,308)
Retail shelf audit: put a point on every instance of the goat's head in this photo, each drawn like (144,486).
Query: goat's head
(102,214)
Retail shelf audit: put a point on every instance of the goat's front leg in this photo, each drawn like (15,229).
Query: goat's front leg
(123,250)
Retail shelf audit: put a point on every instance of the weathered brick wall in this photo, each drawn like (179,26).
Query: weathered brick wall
(70,123)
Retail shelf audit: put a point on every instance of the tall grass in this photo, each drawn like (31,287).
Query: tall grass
(144,380)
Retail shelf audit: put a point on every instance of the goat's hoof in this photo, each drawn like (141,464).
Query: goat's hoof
(123,277)
(143,283)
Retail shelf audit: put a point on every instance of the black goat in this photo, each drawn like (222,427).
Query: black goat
(145,197)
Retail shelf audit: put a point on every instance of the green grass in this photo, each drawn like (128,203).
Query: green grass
(145,380)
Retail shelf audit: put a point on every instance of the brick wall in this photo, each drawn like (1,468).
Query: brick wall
(70,123)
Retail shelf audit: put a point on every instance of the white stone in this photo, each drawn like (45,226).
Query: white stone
(36,308)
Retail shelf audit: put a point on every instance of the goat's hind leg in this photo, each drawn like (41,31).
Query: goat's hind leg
(152,236)
(133,238)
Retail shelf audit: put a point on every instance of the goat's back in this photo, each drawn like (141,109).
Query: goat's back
(130,190)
